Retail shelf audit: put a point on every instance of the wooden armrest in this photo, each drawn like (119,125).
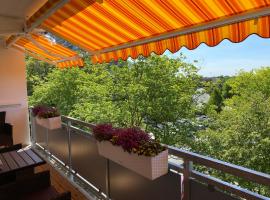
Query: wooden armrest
(63,196)
(11,148)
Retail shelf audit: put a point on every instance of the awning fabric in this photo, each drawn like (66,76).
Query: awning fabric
(235,33)
(43,49)
(103,28)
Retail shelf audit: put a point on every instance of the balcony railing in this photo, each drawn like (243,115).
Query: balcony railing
(77,150)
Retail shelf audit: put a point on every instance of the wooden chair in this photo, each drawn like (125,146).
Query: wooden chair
(35,187)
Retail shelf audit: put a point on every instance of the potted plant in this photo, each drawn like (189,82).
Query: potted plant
(48,117)
(133,149)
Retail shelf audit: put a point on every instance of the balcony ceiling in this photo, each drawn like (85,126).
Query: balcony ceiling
(14,13)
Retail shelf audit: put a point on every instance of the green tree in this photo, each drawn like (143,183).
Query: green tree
(156,92)
(84,93)
(96,105)
(240,133)
(149,93)
(219,91)
(216,100)
(37,72)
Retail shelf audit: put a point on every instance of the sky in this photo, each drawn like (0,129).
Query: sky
(228,58)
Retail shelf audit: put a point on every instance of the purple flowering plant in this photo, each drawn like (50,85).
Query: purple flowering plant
(103,132)
(42,111)
(132,140)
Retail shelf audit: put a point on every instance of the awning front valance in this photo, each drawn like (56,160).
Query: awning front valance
(44,49)
(113,29)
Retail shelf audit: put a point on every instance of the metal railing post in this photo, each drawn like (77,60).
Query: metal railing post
(33,127)
(186,180)
(47,140)
(69,146)
(108,184)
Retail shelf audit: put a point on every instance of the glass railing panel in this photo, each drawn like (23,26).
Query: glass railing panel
(86,160)
(199,191)
(126,184)
(58,144)
(40,135)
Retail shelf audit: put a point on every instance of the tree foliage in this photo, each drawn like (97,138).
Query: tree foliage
(145,93)
(219,91)
(240,133)
(37,72)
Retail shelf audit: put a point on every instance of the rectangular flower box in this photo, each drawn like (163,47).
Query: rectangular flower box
(149,167)
(50,123)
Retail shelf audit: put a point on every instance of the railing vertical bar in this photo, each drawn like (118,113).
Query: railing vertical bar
(69,146)
(108,184)
(33,127)
(47,141)
(186,179)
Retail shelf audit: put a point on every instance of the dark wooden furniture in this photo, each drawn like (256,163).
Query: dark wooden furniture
(38,186)
(6,138)
(11,148)
(15,161)
(9,177)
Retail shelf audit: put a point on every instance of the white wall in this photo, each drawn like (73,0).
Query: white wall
(13,91)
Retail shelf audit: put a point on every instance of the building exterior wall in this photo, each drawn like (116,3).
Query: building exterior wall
(13,93)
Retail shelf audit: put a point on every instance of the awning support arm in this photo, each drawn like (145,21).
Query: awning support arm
(68,59)
(43,48)
(34,54)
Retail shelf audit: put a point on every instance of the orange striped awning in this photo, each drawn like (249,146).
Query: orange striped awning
(114,29)
(43,49)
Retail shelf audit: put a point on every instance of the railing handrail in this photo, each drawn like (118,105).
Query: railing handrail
(239,171)
(234,189)
(255,176)
(77,121)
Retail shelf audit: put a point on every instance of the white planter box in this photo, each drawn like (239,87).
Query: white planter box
(50,123)
(149,167)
